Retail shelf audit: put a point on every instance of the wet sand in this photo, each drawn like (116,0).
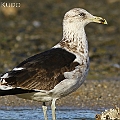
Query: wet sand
(93,94)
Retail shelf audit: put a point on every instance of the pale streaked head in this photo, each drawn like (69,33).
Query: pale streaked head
(82,16)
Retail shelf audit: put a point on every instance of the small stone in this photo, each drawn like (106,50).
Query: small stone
(36,24)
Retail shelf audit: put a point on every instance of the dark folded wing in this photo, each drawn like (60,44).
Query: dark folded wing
(42,71)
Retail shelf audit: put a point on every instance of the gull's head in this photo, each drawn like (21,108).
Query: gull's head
(80,17)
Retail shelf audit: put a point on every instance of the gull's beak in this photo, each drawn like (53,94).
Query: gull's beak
(99,20)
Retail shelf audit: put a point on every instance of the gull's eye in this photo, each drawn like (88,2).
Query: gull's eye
(82,14)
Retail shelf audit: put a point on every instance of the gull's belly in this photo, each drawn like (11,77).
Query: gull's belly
(73,81)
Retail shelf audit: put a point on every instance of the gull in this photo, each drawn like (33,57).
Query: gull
(57,72)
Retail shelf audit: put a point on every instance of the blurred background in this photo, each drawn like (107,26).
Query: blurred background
(35,26)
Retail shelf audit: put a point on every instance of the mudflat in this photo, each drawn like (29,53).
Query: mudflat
(92,94)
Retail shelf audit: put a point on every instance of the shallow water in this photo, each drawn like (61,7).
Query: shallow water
(26,113)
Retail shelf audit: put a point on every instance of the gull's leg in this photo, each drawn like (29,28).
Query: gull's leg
(53,109)
(44,107)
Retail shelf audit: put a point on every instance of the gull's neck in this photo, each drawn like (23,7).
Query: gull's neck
(74,38)
(74,33)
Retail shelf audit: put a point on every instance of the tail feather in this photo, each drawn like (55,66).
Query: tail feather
(14,91)
(6,89)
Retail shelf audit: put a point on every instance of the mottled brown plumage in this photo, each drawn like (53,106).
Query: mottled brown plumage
(43,72)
